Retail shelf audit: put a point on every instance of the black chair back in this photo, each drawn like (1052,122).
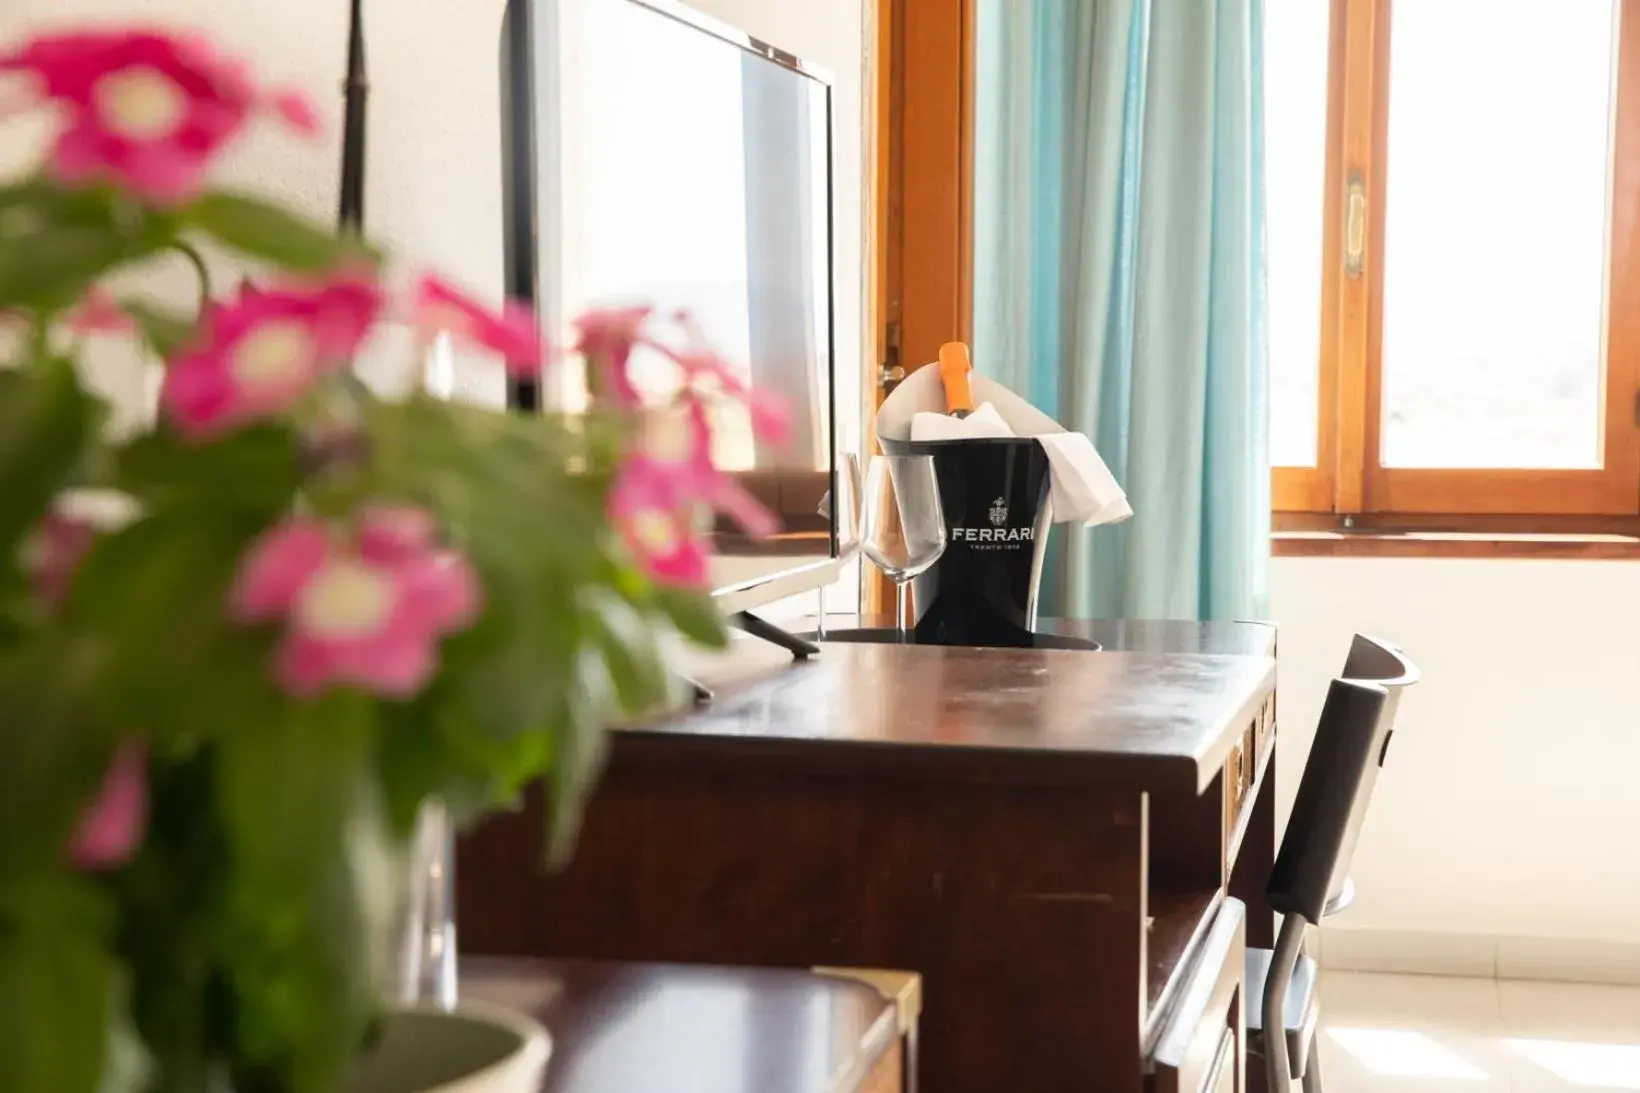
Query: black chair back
(1351,741)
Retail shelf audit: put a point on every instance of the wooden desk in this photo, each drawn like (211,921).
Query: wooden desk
(654,1028)
(1046,836)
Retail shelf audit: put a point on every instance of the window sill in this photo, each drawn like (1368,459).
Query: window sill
(1433,544)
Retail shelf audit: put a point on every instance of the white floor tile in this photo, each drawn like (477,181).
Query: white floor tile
(1425,1034)
(1561,1011)
(1411,1001)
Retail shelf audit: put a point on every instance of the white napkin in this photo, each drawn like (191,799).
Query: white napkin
(1083,489)
(983,423)
(1081,483)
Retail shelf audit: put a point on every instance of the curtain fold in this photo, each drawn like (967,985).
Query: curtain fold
(1119,282)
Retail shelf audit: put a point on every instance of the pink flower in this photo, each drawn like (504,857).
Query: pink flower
(708,376)
(297,111)
(676,443)
(771,419)
(111,826)
(145,109)
(363,610)
(664,482)
(606,339)
(261,355)
(98,312)
(656,527)
(511,333)
(52,553)
(731,499)
(675,448)
(346,306)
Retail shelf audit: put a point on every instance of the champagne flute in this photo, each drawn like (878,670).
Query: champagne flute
(840,505)
(903,526)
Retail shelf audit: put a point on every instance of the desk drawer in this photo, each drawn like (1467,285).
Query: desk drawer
(1264,731)
(1202,1045)
(1241,769)
(1240,766)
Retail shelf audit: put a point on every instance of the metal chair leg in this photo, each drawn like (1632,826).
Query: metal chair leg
(1278,1074)
(1312,1070)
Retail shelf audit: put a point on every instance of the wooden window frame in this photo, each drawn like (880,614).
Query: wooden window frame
(920,204)
(1348,479)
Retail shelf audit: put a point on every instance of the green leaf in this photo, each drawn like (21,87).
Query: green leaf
(264,230)
(255,470)
(55,242)
(164,331)
(55,271)
(288,779)
(46,421)
(55,751)
(631,656)
(151,601)
(55,982)
(582,745)
(695,615)
(126,1065)
(315,882)
(171,905)
(433,748)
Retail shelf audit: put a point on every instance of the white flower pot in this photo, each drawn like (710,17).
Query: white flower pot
(476,1049)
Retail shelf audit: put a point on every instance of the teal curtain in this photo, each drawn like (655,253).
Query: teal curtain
(1119,282)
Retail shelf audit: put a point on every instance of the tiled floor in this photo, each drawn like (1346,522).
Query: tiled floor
(1417,1034)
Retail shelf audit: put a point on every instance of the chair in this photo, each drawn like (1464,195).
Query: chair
(1311,876)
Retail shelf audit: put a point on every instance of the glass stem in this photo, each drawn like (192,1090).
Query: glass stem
(902,613)
(427,957)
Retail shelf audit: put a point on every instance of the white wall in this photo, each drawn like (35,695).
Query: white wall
(435,168)
(434,179)
(434,183)
(1510,804)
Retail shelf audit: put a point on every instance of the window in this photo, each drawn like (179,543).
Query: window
(1454,256)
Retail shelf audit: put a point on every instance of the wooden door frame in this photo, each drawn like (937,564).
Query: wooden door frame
(919,199)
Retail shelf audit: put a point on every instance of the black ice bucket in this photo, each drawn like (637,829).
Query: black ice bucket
(982,591)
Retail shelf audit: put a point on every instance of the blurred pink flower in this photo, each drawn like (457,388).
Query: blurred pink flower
(52,552)
(111,827)
(144,108)
(346,306)
(606,338)
(708,376)
(664,482)
(365,610)
(98,312)
(730,498)
(675,449)
(771,419)
(511,332)
(675,443)
(259,356)
(297,111)
(656,527)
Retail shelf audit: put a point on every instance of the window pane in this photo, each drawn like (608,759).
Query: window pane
(1295,147)
(1494,257)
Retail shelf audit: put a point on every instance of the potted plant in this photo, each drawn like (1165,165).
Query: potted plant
(226,695)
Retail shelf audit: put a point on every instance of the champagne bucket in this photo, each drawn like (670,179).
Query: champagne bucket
(983,589)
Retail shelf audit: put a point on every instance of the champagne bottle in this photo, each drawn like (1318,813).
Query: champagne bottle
(955,368)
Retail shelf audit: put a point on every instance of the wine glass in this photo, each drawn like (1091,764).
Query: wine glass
(903,526)
(840,505)
(847,506)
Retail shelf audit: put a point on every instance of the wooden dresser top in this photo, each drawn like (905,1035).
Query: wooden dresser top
(1158,710)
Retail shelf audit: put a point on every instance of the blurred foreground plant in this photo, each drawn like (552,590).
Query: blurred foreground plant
(222,707)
